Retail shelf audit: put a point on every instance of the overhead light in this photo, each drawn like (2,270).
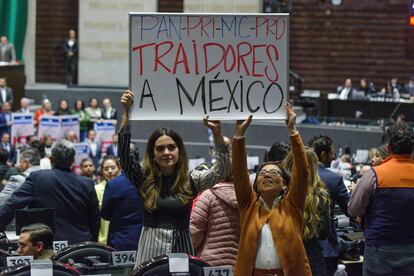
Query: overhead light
(336,2)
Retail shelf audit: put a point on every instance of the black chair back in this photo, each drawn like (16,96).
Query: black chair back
(79,251)
(159,266)
(26,217)
(24,270)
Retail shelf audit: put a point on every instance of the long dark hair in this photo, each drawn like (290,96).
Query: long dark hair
(150,189)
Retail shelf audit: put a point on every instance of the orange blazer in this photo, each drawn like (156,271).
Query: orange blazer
(285,220)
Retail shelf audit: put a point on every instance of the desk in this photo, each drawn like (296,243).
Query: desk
(372,110)
(16,79)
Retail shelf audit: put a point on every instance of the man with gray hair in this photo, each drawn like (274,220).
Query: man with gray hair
(29,162)
(24,106)
(72,197)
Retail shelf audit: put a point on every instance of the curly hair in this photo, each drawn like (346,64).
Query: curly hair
(151,188)
(400,138)
(317,200)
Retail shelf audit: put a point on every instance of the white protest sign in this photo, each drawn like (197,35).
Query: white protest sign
(82,152)
(49,125)
(69,123)
(105,129)
(187,66)
(17,260)
(22,127)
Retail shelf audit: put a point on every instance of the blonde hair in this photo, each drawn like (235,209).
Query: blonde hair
(151,187)
(317,200)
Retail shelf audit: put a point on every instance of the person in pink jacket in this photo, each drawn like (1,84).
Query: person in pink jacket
(215,225)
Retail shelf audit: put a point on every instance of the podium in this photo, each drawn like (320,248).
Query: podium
(16,80)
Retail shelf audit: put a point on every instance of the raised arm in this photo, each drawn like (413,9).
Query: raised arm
(129,163)
(244,192)
(299,181)
(221,169)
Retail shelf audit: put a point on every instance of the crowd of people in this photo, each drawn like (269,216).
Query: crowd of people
(393,90)
(278,220)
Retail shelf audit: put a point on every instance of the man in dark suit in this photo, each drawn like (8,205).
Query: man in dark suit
(95,148)
(72,196)
(7,51)
(323,147)
(6,93)
(113,148)
(345,92)
(5,144)
(108,112)
(122,207)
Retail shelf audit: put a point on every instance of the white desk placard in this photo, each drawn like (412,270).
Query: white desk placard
(252,161)
(59,245)
(41,268)
(361,156)
(178,262)
(16,260)
(194,162)
(226,270)
(124,257)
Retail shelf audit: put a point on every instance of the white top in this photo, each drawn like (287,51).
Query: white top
(108,112)
(3,95)
(267,257)
(45,163)
(344,93)
(94,147)
(71,42)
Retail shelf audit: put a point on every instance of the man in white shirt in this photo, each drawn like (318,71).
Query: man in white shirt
(6,93)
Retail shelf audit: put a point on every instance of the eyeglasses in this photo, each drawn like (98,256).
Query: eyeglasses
(271,173)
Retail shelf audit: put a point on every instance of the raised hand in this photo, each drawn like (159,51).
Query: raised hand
(127,100)
(215,127)
(290,118)
(241,126)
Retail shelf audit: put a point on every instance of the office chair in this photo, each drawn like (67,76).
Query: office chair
(159,266)
(26,217)
(24,270)
(80,252)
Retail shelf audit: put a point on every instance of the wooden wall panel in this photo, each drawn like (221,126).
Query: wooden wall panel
(170,5)
(53,20)
(329,44)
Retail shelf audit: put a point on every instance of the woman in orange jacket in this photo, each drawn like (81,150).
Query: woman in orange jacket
(271,218)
